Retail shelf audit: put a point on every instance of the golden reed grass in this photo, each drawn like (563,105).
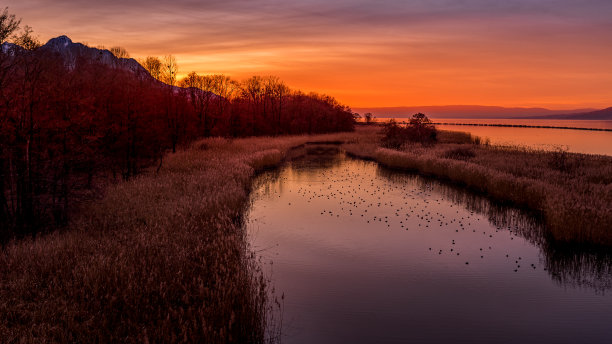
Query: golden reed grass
(161,258)
(164,257)
(573,192)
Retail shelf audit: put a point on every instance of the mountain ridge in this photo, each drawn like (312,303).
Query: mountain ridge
(601,115)
(467,111)
(71,51)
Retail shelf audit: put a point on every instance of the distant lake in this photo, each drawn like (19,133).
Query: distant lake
(578,141)
(363,254)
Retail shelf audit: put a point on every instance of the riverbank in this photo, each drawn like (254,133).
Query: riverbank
(161,258)
(571,191)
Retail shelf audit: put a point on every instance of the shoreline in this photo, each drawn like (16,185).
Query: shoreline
(162,254)
(572,191)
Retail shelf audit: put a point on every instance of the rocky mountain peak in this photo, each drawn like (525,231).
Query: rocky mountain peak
(60,42)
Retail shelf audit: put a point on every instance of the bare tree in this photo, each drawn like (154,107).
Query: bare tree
(8,24)
(169,70)
(253,91)
(120,52)
(225,87)
(277,92)
(200,91)
(26,40)
(153,65)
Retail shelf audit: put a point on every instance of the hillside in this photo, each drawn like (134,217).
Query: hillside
(71,53)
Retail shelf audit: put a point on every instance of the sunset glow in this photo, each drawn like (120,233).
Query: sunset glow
(284,171)
(555,54)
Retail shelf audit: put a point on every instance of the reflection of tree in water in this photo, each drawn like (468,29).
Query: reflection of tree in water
(266,182)
(308,160)
(567,264)
(314,157)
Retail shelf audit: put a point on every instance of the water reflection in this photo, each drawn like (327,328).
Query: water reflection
(569,265)
(502,217)
(315,156)
(579,267)
(367,254)
(578,141)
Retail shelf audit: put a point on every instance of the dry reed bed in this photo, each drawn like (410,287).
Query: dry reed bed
(161,258)
(573,192)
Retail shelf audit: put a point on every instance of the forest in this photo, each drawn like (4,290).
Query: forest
(70,118)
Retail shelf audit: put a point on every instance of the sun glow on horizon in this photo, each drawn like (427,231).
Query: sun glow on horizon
(515,53)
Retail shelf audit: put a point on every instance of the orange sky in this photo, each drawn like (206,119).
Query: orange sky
(549,53)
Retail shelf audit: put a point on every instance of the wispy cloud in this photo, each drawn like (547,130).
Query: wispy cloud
(401,52)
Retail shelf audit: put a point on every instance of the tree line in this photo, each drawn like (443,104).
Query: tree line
(64,126)
(255,106)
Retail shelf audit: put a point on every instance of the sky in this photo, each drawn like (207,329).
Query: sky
(544,53)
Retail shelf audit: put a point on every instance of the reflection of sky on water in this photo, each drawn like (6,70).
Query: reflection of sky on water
(578,141)
(366,254)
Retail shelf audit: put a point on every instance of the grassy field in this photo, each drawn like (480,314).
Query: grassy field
(573,192)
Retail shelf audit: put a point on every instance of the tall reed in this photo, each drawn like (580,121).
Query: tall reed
(573,192)
(161,258)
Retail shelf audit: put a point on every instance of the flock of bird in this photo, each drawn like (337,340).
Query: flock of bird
(401,202)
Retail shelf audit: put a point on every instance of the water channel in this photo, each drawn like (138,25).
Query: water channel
(366,254)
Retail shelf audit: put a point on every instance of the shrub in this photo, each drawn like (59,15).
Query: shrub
(394,136)
(421,129)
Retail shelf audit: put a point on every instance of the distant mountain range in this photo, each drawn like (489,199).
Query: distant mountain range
(602,115)
(477,111)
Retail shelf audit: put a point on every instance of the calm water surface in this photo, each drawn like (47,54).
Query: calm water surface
(364,254)
(578,141)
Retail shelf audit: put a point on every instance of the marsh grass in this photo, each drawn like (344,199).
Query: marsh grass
(459,153)
(164,257)
(572,192)
(161,258)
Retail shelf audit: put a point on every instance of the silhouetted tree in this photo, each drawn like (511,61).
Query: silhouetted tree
(200,90)
(394,136)
(153,65)
(120,52)
(8,24)
(277,95)
(421,129)
(26,40)
(169,70)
